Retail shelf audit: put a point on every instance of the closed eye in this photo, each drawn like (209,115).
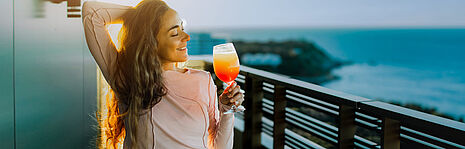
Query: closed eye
(177,34)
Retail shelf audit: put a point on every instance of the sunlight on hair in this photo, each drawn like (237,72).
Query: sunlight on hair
(104,92)
(104,95)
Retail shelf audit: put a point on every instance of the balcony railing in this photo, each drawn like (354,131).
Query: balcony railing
(287,113)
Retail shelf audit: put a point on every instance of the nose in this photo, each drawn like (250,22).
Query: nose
(186,37)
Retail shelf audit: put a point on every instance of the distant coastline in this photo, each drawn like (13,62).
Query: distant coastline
(301,59)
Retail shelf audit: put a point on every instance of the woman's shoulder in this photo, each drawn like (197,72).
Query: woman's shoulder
(192,83)
(202,75)
(199,72)
(189,75)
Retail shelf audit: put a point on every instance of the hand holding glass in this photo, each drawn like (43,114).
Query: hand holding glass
(226,66)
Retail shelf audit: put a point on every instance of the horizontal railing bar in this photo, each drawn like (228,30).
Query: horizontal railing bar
(267,106)
(428,138)
(242,84)
(358,145)
(241,76)
(311,131)
(368,126)
(312,120)
(449,130)
(290,133)
(267,110)
(269,125)
(267,121)
(359,139)
(403,136)
(265,84)
(314,124)
(268,90)
(314,106)
(367,118)
(290,144)
(268,128)
(361,145)
(267,131)
(296,142)
(316,101)
(365,142)
(267,115)
(268,101)
(308,127)
(408,142)
(242,81)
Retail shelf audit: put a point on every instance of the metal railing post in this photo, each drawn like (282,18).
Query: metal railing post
(391,134)
(253,113)
(279,110)
(346,126)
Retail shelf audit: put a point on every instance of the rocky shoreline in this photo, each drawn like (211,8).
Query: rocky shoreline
(301,59)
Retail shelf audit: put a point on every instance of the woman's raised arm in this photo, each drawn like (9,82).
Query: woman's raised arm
(95,17)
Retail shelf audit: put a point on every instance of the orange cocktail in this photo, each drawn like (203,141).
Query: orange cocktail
(226,65)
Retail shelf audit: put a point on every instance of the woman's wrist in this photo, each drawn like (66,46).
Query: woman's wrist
(223,107)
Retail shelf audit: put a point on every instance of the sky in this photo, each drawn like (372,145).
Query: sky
(318,13)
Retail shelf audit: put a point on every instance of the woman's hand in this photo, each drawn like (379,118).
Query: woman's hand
(232,95)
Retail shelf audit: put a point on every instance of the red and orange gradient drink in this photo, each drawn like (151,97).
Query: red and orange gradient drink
(226,66)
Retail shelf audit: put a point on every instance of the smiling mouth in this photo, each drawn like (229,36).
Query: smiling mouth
(182,49)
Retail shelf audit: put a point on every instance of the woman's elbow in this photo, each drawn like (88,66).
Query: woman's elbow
(88,8)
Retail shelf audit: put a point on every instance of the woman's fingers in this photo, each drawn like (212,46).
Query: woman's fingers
(233,94)
(234,91)
(237,99)
(236,96)
(230,87)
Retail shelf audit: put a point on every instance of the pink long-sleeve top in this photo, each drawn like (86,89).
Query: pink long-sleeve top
(188,116)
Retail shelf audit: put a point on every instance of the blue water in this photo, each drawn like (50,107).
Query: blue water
(424,66)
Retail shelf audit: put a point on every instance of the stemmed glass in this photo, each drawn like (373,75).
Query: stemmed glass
(226,66)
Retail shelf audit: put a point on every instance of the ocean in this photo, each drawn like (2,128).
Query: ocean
(422,66)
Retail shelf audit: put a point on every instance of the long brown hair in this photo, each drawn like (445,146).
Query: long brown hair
(137,80)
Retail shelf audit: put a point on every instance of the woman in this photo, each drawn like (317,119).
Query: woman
(161,106)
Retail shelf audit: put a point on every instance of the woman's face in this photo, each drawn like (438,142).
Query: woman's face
(172,40)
